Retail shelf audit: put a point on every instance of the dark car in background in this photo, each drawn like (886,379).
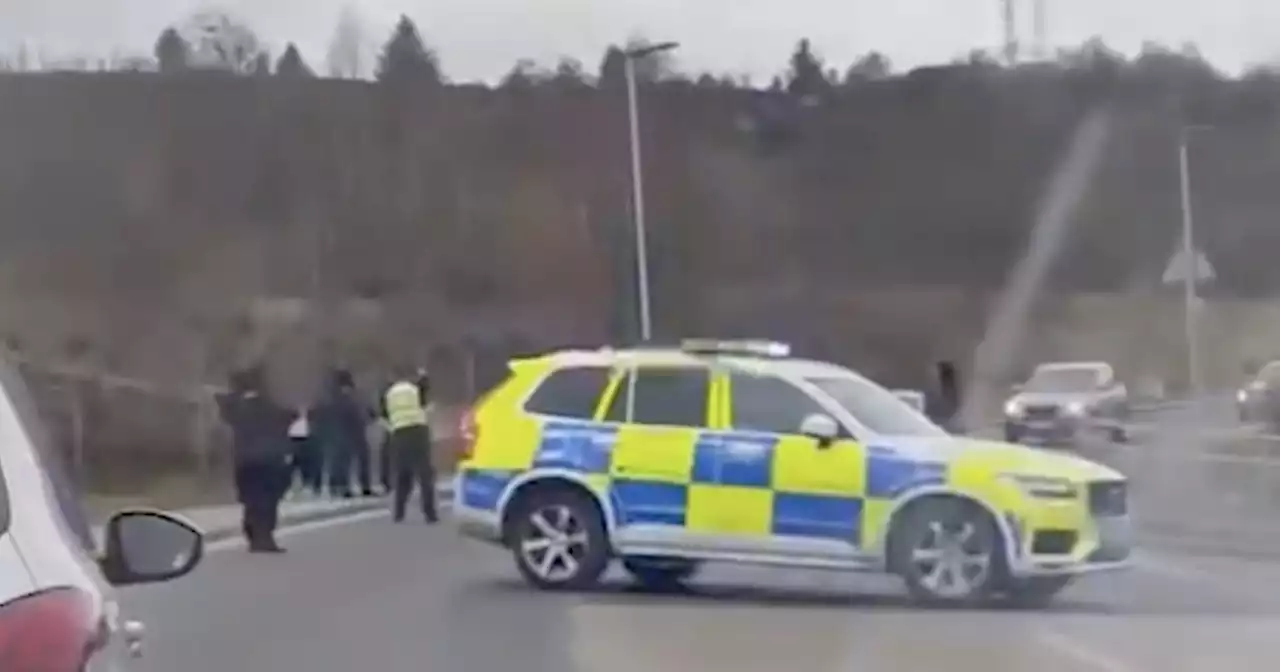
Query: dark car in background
(1063,402)
(1258,399)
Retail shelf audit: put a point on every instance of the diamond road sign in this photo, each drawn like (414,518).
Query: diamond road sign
(1176,270)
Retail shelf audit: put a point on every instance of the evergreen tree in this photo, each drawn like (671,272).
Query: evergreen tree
(807,76)
(261,65)
(406,58)
(291,63)
(173,54)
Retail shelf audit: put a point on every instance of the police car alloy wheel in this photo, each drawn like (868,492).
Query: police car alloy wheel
(560,541)
(946,552)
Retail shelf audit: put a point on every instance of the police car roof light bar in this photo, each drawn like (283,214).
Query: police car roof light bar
(759,348)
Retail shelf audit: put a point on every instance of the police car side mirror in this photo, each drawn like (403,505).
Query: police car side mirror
(820,427)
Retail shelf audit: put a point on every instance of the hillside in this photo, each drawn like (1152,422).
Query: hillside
(172,224)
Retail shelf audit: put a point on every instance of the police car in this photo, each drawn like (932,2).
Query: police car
(57,609)
(668,458)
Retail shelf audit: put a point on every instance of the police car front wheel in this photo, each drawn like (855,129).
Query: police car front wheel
(560,540)
(946,551)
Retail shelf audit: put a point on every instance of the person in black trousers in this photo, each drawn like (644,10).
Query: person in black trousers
(260,435)
(344,424)
(405,410)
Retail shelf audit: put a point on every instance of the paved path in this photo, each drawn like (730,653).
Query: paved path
(368,594)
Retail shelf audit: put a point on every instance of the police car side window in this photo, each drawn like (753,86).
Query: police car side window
(570,393)
(663,396)
(769,404)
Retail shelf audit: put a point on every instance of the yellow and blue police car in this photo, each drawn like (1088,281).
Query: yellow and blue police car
(721,451)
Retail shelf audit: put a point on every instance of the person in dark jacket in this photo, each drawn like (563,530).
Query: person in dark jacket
(944,405)
(344,424)
(260,434)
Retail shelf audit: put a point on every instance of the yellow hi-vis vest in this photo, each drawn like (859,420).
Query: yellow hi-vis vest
(404,407)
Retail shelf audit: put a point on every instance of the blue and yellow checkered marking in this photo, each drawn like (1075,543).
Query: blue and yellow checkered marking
(889,474)
(746,460)
(650,503)
(482,488)
(575,446)
(739,467)
(819,516)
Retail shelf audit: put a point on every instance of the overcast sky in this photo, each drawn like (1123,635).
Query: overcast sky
(481,39)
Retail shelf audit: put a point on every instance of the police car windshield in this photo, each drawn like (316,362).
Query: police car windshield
(1063,380)
(878,409)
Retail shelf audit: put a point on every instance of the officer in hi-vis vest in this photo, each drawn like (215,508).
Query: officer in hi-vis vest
(405,411)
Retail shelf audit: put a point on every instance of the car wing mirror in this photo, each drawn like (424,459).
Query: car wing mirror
(820,427)
(146,546)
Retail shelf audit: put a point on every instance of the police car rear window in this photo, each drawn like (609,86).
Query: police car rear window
(570,393)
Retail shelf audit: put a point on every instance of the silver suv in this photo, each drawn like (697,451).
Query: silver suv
(1063,401)
(57,608)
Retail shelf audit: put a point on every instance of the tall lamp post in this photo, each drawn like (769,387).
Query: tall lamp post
(1191,271)
(637,181)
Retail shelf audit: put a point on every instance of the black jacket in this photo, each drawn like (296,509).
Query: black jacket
(260,426)
(343,418)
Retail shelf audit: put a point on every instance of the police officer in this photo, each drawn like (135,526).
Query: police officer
(944,406)
(405,413)
(260,433)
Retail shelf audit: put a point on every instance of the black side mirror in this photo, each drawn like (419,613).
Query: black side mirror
(145,546)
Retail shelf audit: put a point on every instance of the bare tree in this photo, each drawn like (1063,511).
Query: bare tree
(350,51)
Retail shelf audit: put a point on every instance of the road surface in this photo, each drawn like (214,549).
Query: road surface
(370,595)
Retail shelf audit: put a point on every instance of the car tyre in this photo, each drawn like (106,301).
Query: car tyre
(948,552)
(559,540)
(660,574)
(1035,592)
(1119,434)
(1011,434)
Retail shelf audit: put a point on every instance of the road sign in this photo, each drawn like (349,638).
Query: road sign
(1176,270)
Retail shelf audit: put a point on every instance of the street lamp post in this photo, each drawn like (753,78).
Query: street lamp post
(1191,261)
(637,181)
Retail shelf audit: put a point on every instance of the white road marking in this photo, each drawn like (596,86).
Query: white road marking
(1076,650)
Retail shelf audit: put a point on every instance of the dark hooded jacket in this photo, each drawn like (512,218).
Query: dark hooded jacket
(343,417)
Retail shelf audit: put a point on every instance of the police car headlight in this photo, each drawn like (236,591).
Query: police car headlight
(1077,408)
(1042,487)
(1013,408)
(1242,396)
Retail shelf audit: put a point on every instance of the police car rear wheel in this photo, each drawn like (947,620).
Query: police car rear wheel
(946,551)
(560,541)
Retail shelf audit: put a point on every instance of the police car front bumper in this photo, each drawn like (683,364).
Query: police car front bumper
(1104,544)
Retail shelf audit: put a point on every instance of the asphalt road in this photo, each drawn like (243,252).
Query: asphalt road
(369,595)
